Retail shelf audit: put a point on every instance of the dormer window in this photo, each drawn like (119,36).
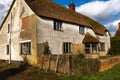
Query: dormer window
(81,29)
(57,25)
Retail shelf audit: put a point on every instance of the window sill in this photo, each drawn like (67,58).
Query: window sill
(59,30)
(82,33)
(25,54)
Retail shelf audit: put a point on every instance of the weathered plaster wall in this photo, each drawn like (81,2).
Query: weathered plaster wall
(105,39)
(69,33)
(29,33)
(20,10)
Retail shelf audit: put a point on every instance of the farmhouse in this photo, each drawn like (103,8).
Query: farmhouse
(30,24)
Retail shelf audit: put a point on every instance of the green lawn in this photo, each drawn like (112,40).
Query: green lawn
(33,73)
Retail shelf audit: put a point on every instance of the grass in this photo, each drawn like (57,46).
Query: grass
(34,73)
(111,74)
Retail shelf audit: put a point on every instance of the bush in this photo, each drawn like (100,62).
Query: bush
(85,66)
(115,46)
(46,48)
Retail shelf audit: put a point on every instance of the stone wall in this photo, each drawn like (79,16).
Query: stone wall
(108,63)
(65,64)
(57,63)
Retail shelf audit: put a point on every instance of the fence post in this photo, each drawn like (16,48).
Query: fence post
(56,66)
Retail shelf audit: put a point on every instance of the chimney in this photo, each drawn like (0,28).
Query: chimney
(118,25)
(72,6)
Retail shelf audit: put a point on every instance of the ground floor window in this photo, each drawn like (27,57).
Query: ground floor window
(102,46)
(91,48)
(8,49)
(26,48)
(67,47)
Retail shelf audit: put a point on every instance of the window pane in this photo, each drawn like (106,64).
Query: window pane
(7,49)
(81,29)
(26,48)
(66,47)
(57,25)
(102,46)
(8,28)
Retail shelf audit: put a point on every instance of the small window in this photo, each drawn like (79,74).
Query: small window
(8,49)
(57,25)
(8,28)
(26,48)
(81,29)
(67,47)
(102,46)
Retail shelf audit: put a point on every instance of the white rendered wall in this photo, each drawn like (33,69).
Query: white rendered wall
(16,29)
(69,33)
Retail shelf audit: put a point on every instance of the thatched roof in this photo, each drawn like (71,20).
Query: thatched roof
(46,8)
(49,9)
(90,39)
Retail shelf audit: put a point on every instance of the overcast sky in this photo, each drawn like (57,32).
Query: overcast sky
(106,12)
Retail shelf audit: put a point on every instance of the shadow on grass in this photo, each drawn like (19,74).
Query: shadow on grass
(5,74)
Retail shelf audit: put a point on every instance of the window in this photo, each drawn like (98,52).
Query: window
(8,28)
(57,25)
(67,47)
(102,46)
(8,49)
(26,48)
(81,29)
(94,47)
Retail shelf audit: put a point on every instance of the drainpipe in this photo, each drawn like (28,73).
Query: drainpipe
(10,39)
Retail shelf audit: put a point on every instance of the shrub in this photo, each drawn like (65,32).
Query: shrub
(80,56)
(115,46)
(85,66)
(46,48)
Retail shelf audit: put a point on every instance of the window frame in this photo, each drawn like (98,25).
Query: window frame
(81,29)
(67,47)
(57,25)
(26,45)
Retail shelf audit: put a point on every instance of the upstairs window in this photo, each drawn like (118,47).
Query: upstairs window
(67,47)
(57,25)
(8,28)
(26,48)
(81,29)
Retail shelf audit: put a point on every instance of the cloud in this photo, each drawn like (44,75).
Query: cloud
(113,26)
(105,12)
(4,7)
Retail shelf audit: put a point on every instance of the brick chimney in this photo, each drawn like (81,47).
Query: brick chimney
(72,6)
